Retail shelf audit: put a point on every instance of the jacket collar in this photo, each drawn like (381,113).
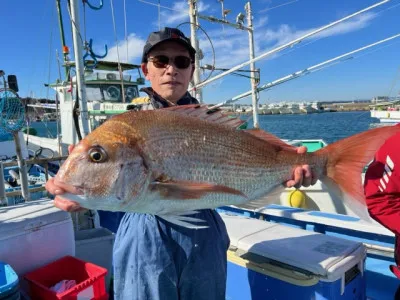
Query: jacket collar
(160,102)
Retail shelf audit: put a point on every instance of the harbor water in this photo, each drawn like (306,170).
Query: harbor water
(329,126)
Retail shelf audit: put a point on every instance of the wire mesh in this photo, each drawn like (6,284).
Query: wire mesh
(12,112)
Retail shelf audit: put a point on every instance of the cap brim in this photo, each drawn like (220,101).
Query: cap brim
(191,50)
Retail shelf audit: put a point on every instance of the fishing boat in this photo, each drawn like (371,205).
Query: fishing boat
(108,93)
(386,112)
(306,245)
(12,152)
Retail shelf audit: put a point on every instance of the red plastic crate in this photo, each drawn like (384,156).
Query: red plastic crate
(84,273)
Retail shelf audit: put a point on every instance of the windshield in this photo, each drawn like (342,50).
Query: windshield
(110,92)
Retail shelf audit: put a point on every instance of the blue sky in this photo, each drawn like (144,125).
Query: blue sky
(31,35)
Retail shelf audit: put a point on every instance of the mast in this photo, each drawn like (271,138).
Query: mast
(254,91)
(80,81)
(198,94)
(64,47)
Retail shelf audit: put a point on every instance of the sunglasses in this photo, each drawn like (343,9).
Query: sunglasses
(162,61)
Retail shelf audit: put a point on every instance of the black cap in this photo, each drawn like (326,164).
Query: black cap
(167,34)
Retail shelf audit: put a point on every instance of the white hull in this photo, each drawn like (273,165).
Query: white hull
(36,143)
(386,116)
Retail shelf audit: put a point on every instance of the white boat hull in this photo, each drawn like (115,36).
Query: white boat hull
(47,146)
(386,116)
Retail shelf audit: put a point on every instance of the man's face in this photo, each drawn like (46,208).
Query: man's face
(169,82)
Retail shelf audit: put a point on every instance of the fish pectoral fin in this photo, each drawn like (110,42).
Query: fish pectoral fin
(184,190)
(182,220)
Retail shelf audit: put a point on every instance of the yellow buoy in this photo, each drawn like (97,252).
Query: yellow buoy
(297,199)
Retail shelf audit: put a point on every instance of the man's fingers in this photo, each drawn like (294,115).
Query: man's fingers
(52,188)
(301,149)
(67,205)
(297,180)
(302,176)
(298,177)
(307,175)
(70,148)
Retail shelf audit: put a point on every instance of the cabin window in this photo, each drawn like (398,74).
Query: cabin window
(110,92)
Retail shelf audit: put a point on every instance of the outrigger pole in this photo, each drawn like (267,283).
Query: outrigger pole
(253,59)
(287,45)
(306,71)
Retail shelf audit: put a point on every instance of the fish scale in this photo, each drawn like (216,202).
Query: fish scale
(230,163)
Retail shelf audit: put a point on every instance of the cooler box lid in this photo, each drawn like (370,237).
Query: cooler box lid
(326,256)
(19,218)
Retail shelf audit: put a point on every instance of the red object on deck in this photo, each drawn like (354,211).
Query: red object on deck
(89,277)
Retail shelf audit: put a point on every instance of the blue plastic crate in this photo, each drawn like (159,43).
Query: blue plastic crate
(9,283)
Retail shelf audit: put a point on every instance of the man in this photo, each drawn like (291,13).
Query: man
(154,259)
(382,191)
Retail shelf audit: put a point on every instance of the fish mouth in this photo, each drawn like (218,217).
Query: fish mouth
(76,190)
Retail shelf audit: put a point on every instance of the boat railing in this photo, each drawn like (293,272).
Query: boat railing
(377,239)
(44,162)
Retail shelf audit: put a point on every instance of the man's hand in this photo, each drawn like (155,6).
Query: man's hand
(302,175)
(59,201)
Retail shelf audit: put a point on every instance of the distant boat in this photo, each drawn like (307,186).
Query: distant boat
(386,112)
(306,108)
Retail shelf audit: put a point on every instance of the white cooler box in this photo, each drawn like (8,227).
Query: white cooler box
(273,261)
(34,234)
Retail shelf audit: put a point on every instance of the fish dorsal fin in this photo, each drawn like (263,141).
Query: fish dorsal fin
(261,134)
(215,115)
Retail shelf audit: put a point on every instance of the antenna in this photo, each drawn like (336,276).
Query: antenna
(194,42)
(224,11)
(240,19)
(159,15)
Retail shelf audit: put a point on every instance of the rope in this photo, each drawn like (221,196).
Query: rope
(276,6)
(50,57)
(126,33)
(116,41)
(159,15)
(212,46)
(394,81)
(84,21)
(73,23)
(177,10)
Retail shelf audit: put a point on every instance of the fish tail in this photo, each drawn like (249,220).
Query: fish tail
(345,162)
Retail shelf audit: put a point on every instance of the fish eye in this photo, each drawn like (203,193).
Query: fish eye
(97,154)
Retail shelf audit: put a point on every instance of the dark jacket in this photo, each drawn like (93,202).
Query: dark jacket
(155,101)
